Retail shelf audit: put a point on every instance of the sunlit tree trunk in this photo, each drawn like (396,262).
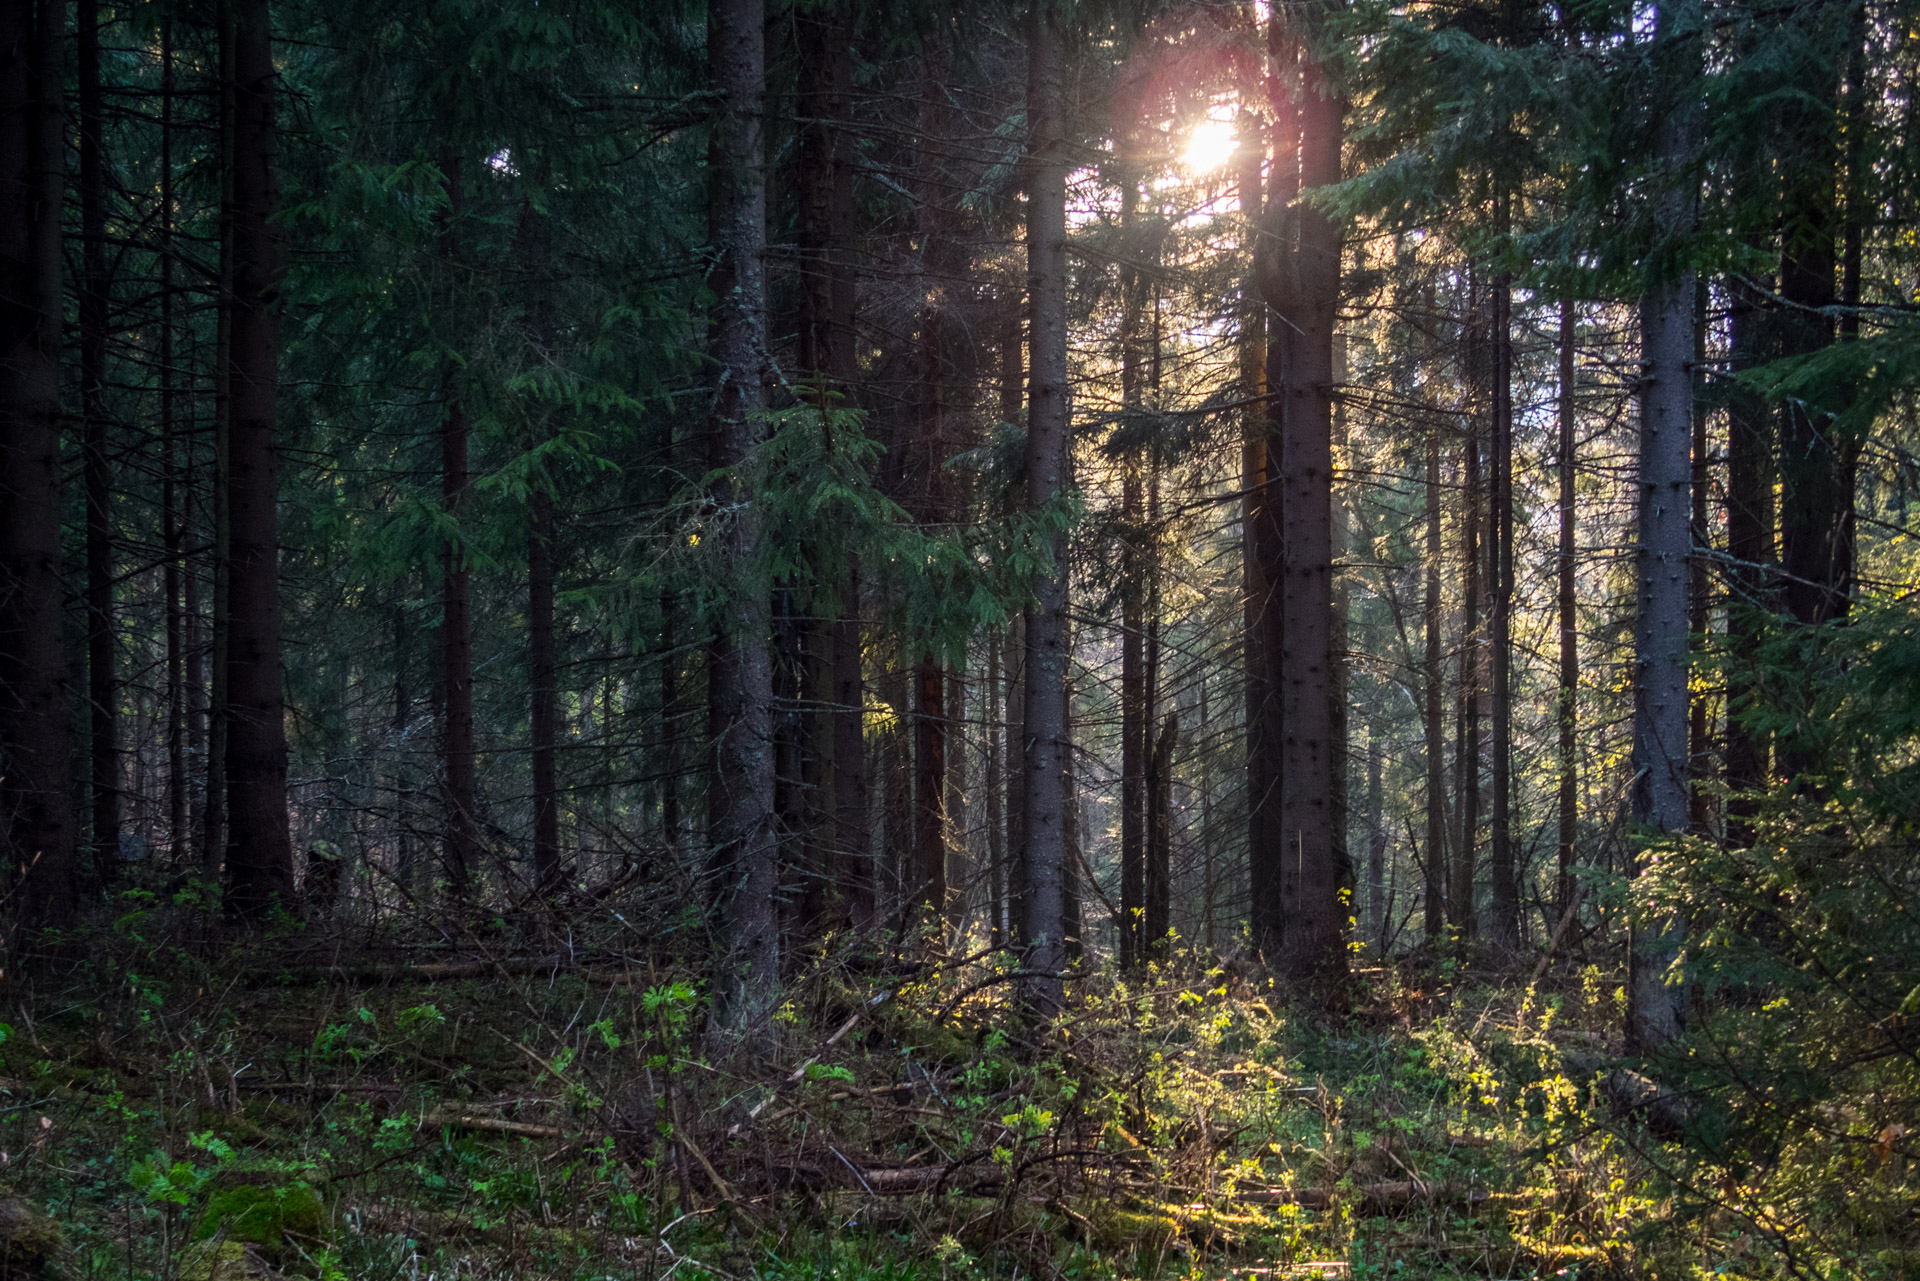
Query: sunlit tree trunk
(1134,731)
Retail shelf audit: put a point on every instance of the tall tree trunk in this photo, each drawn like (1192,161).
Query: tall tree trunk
(172,511)
(1460,895)
(1043,906)
(1815,499)
(1268,844)
(1566,708)
(927,880)
(1504,927)
(827,354)
(259,847)
(35,736)
(1264,909)
(1433,696)
(542,653)
(1699,601)
(1656,1008)
(213,821)
(1303,668)
(1016,694)
(740,679)
(1135,730)
(103,696)
(456,594)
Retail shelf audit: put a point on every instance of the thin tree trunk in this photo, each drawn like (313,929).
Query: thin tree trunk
(213,823)
(456,624)
(103,696)
(1566,707)
(1460,896)
(35,737)
(927,880)
(1159,889)
(172,510)
(1699,535)
(542,653)
(1376,847)
(1433,696)
(1043,906)
(1504,927)
(259,848)
(740,681)
(1269,848)
(1134,725)
(996,811)
(1656,1007)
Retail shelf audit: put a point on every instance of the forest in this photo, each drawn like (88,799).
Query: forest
(1013,640)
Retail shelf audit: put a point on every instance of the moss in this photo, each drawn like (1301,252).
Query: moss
(30,1243)
(1115,1230)
(264,1216)
(220,1261)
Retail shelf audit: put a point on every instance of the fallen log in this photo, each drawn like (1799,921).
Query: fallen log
(493,1125)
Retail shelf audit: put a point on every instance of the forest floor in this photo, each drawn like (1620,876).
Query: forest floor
(173,1110)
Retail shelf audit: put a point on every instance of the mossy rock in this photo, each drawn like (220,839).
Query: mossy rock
(1115,1230)
(30,1242)
(224,1261)
(264,1216)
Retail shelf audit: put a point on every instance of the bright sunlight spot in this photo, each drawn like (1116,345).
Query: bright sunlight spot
(1210,146)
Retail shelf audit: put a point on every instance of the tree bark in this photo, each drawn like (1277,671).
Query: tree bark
(1433,696)
(456,623)
(1043,906)
(542,652)
(1376,847)
(740,681)
(1306,297)
(35,738)
(1504,925)
(103,696)
(1656,1008)
(1134,728)
(1460,895)
(1275,259)
(173,519)
(1159,853)
(259,848)
(1566,709)
(996,810)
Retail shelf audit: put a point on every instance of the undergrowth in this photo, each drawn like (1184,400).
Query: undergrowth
(183,1114)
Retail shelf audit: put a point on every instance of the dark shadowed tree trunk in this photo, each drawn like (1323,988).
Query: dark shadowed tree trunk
(259,848)
(1043,907)
(827,355)
(1434,698)
(103,695)
(173,519)
(1656,1008)
(456,594)
(536,240)
(1460,901)
(1376,847)
(34,729)
(1275,269)
(1750,481)
(1303,668)
(740,667)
